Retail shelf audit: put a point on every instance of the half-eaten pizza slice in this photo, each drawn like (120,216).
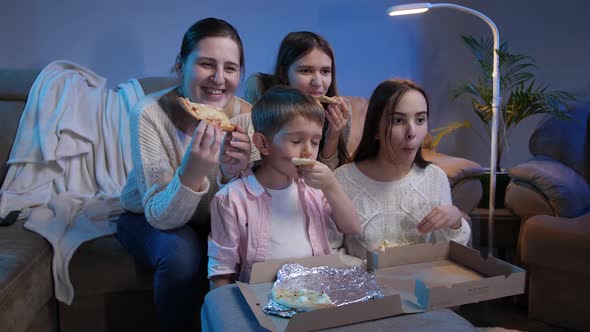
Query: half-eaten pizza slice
(214,115)
(303,161)
(323,99)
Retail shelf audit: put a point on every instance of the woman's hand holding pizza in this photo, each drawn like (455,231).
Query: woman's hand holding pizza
(201,155)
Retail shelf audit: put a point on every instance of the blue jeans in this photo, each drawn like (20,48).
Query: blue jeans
(179,258)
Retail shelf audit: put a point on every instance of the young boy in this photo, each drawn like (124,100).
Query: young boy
(278,210)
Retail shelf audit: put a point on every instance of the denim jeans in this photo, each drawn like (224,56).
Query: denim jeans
(179,259)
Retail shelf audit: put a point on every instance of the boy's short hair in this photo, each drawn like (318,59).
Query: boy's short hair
(281,104)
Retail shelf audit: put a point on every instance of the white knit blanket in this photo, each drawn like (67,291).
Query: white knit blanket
(70,161)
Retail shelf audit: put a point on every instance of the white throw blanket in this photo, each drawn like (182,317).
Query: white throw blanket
(70,161)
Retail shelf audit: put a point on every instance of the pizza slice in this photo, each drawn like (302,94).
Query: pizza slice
(303,161)
(215,115)
(323,99)
(303,299)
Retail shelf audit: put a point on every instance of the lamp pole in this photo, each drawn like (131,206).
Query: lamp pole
(417,8)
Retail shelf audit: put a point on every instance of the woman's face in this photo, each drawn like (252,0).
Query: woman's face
(404,129)
(211,73)
(311,73)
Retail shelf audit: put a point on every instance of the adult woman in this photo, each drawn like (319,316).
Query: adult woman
(306,61)
(176,170)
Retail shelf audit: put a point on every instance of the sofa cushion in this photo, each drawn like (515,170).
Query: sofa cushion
(153,84)
(558,243)
(16,83)
(26,283)
(10,112)
(105,257)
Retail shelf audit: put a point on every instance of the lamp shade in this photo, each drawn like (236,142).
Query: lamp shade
(413,8)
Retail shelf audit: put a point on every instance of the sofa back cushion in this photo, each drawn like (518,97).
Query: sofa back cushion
(10,112)
(567,141)
(14,89)
(153,84)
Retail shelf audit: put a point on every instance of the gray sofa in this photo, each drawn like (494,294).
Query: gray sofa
(112,292)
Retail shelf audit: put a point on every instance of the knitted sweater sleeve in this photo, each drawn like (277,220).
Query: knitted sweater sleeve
(167,203)
(462,234)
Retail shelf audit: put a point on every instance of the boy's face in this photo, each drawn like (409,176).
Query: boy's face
(299,138)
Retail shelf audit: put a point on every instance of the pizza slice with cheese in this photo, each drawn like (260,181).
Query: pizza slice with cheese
(303,299)
(215,115)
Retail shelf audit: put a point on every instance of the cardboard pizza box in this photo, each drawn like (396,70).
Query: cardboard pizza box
(263,276)
(414,278)
(434,276)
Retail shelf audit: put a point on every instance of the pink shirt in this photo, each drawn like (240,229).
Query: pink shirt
(241,225)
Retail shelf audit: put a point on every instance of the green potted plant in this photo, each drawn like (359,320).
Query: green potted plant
(521,96)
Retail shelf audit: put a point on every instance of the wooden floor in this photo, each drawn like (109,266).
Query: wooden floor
(503,313)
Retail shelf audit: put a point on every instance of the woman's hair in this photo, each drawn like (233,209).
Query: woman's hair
(209,27)
(297,45)
(281,104)
(385,100)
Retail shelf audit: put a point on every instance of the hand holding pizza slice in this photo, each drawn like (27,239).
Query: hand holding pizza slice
(212,114)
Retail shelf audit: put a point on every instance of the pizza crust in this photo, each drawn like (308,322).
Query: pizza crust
(212,114)
(323,99)
(303,299)
(303,161)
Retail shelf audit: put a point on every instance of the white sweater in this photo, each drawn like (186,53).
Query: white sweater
(392,210)
(154,187)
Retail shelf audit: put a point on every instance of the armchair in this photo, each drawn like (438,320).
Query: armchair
(551,193)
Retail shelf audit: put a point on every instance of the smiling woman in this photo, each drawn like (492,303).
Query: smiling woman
(175,159)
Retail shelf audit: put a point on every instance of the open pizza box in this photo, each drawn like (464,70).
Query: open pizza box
(414,278)
(263,276)
(434,276)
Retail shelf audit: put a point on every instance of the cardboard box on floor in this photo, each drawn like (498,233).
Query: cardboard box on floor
(414,279)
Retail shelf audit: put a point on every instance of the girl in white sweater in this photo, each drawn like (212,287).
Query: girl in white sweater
(401,198)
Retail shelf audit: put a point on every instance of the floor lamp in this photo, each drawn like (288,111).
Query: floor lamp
(418,8)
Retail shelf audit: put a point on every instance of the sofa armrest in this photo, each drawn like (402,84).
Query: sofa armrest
(525,201)
(456,168)
(558,243)
(566,191)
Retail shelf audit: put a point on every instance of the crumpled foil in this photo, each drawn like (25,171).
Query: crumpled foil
(342,285)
